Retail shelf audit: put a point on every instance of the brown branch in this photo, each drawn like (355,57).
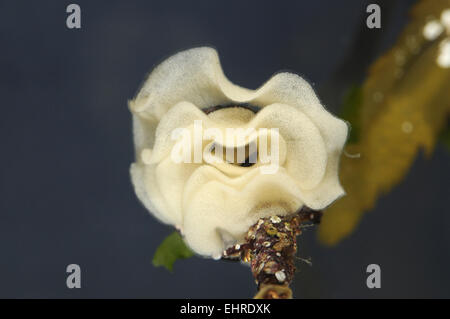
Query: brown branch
(270,247)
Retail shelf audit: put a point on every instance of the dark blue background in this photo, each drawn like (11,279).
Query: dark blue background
(66,147)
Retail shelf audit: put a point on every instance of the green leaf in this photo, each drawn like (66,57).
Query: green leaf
(350,108)
(171,249)
(445,137)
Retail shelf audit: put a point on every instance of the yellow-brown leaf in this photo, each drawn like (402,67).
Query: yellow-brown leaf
(405,104)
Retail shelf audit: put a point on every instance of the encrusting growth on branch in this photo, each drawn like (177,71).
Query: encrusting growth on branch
(270,247)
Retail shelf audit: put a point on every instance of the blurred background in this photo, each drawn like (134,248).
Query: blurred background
(66,139)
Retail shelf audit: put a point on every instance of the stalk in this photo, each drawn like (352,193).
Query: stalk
(269,248)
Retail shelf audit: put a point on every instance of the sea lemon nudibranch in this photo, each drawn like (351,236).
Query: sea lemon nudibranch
(213,198)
